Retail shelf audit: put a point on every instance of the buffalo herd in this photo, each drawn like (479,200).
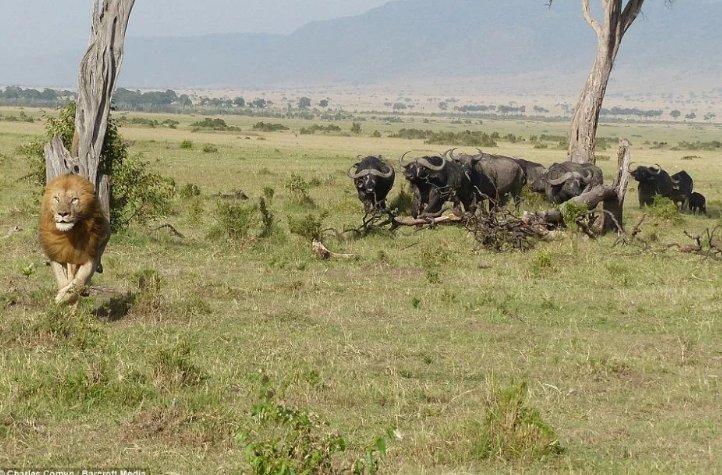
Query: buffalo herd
(469,182)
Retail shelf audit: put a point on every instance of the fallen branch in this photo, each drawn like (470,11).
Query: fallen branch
(172,229)
(322,252)
(448,219)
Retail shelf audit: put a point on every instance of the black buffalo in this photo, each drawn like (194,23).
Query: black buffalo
(532,170)
(682,187)
(494,177)
(656,181)
(563,181)
(697,203)
(435,181)
(373,178)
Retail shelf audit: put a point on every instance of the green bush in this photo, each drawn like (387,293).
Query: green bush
(466,138)
(298,190)
(186,145)
(210,148)
(189,190)
(268,127)
(233,220)
(138,195)
(213,124)
(308,226)
(512,429)
(665,209)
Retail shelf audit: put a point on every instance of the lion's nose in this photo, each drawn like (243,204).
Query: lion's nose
(63,214)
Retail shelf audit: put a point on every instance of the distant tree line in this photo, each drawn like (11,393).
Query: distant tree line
(17,96)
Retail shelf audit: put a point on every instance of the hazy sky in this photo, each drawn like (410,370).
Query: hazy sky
(32,26)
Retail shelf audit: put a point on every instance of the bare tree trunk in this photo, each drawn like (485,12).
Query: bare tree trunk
(96,82)
(616,21)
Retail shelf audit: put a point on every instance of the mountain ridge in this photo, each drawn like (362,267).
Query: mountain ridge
(425,40)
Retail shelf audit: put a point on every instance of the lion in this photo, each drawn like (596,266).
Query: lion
(73,233)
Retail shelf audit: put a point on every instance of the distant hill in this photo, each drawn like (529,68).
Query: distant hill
(518,43)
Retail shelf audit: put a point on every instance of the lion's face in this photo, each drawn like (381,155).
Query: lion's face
(70,199)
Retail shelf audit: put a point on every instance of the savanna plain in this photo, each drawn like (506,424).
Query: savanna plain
(231,347)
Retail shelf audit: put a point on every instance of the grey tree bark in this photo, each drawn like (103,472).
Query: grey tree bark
(614,23)
(97,77)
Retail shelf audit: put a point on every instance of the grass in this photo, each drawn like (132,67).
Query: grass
(423,336)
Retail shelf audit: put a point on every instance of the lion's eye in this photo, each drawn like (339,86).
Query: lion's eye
(75,201)
(57,200)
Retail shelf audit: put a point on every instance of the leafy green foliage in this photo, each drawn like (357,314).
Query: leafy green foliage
(326,129)
(571,212)
(298,188)
(138,194)
(189,190)
(186,145)
(308,226)
(512,429)
(233,220)
(356,128)
(210,148)
(664,208)
(466,138)
(285,440)
(268,127)
(213,124)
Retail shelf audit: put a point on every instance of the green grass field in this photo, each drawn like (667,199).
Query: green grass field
(203,353)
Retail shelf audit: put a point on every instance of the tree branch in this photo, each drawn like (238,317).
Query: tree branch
(590,18)
(630,13)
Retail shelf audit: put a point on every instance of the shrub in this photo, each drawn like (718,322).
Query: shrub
(189,190)
(376,134)
(268,194)
(432,259)
(186,145)
(664,208)
(210,148)
(138,195)
(213,124)
(412,134)
(149,298)
(512,429)
(466,138)
(356,128)
(331,128)
(285,440)
(268,127)
(308,226)
(298,189)
(266,218)
(172,366)
(232,220)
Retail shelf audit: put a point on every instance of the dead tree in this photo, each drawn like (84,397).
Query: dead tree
(610,29)
(98,73)
(611,197)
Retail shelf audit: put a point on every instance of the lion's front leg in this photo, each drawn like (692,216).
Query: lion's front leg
(61,274)
(70,293)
